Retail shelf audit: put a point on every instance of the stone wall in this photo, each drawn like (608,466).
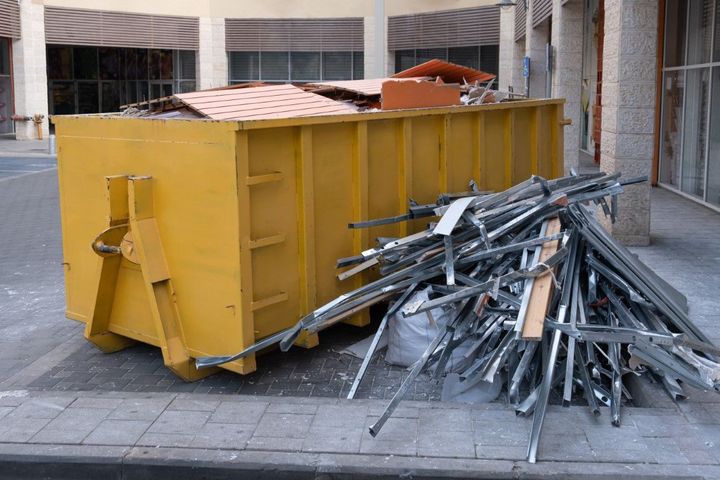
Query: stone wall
(628,112)
(212,60)
(29,70)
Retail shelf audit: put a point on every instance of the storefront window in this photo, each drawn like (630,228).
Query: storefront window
(284,67)
(690,132)
(101,79)
(484,57)
(713,173)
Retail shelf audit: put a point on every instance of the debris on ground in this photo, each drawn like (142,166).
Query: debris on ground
(527,294)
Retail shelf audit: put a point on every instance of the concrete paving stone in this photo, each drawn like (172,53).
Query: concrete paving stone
(226,436)
(574,448)
(62,437)
(503,415)
(446,443)
(117,432)
(279,407)
(177,421)
(82,419)
(624,437)
(332,439)
(12,398)
(347,416)
(42,408)
(700,413)
(660,426)
(379,446)
(239,412)
(140,409)
(397,437)
(433,420)
(695,450)
(497,452)
(193,405)
(5,410)
(165,440)
(501,434)
(97,402)
(277,444)
(399,412)
(666,450)
(288,425)
(20,429)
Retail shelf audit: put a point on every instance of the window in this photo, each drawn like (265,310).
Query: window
(690,118)
(284,67)
(101,79)
(484,57)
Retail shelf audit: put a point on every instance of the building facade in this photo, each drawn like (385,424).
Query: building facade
(79,56)
(642,84)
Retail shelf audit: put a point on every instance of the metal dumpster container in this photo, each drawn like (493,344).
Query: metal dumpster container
(202,237)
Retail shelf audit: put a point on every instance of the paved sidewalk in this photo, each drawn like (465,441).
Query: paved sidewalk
(55,415)
(141,436)
(23,148)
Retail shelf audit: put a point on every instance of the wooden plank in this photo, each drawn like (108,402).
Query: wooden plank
(541,290)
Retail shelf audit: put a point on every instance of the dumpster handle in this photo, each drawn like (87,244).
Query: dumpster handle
(101,248)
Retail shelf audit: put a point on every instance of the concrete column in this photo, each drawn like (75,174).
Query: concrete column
(375,40)
(535,41)
(507,42)
(511,53)
(567,41)
(212,60)
(29,70)
(628,112)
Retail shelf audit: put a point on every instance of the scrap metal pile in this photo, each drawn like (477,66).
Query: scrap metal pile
(541,301)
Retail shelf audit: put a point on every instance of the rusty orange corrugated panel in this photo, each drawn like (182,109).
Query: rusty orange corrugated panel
(274,101)
(449,72)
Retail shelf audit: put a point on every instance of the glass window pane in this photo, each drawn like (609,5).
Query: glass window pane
(131,67)
(4,56)
(423,55)
(716,47)
(154,64)
(62,98)
(110,97)
(109,63)
(59,61)
(675,27)
(337,66)
(672,113)
(274,66)
(143,94)
(404,59)
(244,66)
(713,176)
(132,92)
(695,130)
(6,105)
(88,97)
(166,64)
(187,86)
(186,65)
(305,66)
(466,56)
(85,60)
(700,32)
(358,65)
(489,58)
(142,64)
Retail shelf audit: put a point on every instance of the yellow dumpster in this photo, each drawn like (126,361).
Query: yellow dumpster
(202,237)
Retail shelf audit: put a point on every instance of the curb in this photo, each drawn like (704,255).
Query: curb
(61,462)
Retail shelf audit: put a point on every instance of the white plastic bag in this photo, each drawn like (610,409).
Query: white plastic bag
(409,337)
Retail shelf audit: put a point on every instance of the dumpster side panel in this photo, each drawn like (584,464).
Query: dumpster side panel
(195,203)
